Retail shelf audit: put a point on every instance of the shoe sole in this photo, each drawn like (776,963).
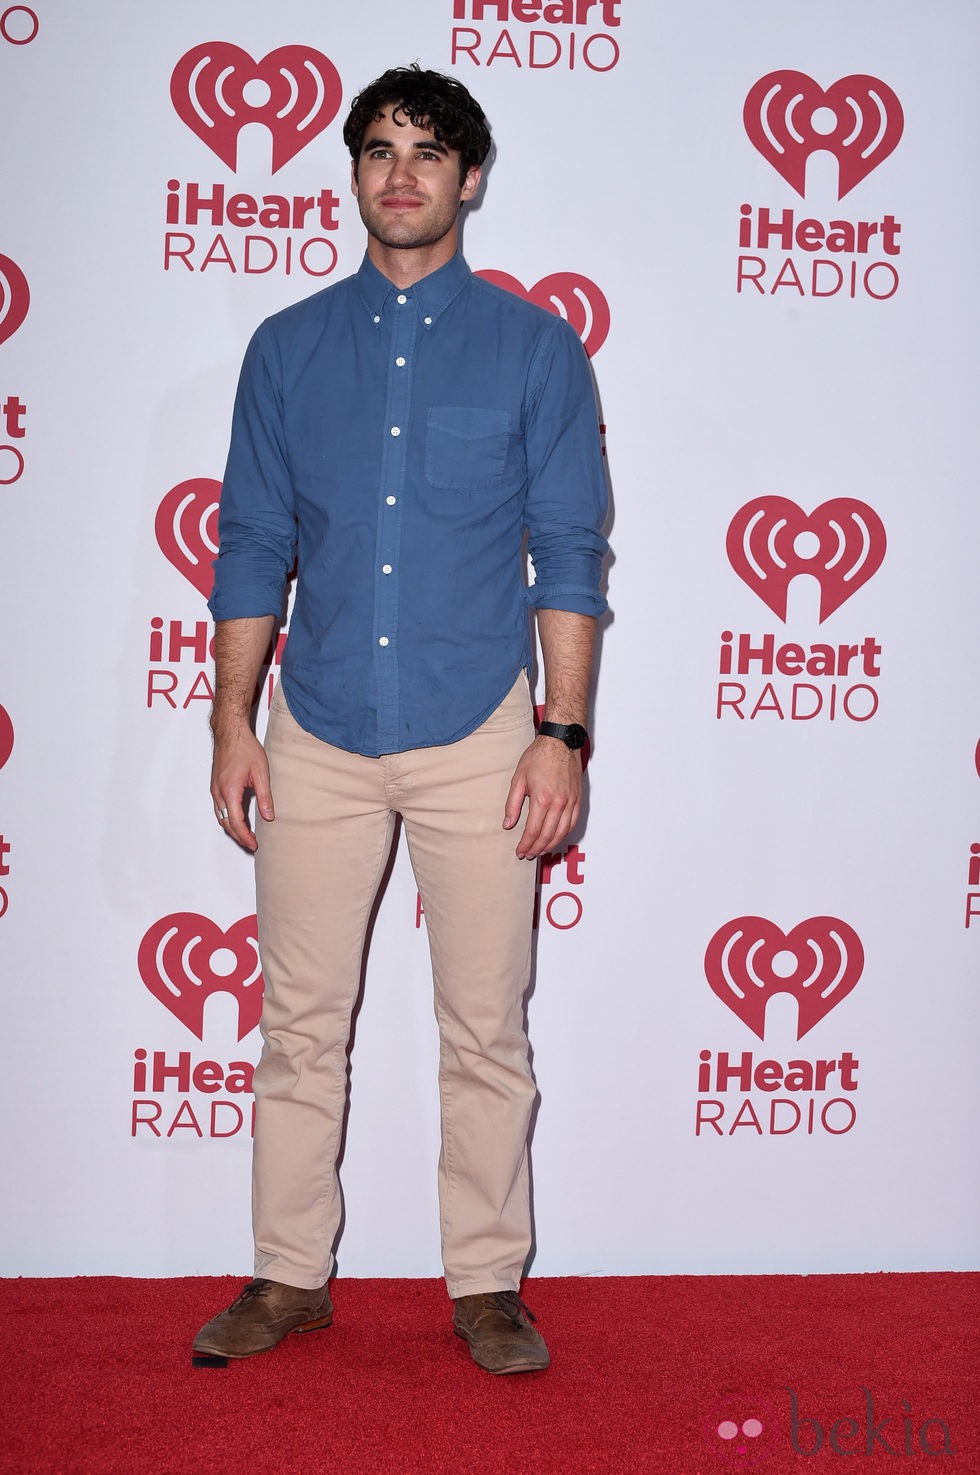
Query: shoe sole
(205,1357)
(312,1326)
(516,1367)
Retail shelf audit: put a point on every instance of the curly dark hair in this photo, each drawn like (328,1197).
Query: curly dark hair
(427,99)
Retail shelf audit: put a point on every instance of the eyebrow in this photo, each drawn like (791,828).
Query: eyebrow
(431,144)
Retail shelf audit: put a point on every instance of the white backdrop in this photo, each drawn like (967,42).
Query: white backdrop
(777,803)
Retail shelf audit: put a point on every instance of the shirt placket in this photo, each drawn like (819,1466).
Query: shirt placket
(402,319)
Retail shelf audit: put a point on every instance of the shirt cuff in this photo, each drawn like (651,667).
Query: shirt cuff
(577,599)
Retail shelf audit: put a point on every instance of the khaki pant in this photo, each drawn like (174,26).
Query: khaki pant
(318,868)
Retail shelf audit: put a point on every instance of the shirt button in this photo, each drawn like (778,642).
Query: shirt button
(395,430)
(400,363)
(427,322)
(390,501)
(383,640)
(377,320)
(402,298)
(386,568)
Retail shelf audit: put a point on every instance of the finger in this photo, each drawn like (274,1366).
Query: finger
(230,814)
(555,823)
(237,825)
(220,809)
(565,826)
(541,823)
(515,801)
(258,780)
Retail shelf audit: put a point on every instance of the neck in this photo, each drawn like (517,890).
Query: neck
(404,268)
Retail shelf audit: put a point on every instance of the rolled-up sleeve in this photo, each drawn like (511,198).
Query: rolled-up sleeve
(256,522)
(566,495)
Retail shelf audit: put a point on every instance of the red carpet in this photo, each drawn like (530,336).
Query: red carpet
(97,1380)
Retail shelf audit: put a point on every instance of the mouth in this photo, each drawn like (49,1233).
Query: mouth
(400,202)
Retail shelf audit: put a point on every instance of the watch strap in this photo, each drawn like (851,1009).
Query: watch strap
(572,734)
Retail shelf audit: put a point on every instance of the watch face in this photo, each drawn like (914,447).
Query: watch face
(572,734)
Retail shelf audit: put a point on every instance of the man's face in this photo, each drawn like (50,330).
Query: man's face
(407,184)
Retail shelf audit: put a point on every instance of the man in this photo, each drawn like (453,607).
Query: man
(399,432)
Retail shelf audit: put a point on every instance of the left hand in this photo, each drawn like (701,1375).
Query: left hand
(549,776)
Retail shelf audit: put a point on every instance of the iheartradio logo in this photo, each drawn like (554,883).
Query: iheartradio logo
(575,298)
(750,959)
(15,298)
(185,958)
(6,736)
(217,88)
(788,117)
(186,528)
(841,544)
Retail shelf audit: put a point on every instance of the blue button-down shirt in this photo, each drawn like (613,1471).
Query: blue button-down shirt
(400,442)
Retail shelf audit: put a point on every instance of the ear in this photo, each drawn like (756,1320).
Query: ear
(353,177)
(470,183)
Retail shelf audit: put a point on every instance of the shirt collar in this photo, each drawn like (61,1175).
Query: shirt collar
(432,295)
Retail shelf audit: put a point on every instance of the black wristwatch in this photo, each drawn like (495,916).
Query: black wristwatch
(572,734)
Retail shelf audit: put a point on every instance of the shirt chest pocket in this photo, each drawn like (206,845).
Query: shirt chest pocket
(466,449)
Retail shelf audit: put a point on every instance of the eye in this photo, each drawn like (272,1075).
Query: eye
(751,1428)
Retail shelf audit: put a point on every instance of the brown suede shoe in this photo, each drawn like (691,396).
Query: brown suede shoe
(262,1315)
(497,1327)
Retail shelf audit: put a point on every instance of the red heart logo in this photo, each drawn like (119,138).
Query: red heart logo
(187,530)
(6,736)
(750,959)
(295,91)
(570,296)
(15,298)
(185,958)
(861,124)
(763,539)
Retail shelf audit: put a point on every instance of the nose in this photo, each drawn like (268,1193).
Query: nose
(400,172)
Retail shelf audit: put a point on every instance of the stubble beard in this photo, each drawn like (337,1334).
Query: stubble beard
(398,232)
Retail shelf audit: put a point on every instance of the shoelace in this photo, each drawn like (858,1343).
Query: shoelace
(510,1303)
(254,1289)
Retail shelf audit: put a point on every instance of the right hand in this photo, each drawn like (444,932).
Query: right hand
(240,764)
